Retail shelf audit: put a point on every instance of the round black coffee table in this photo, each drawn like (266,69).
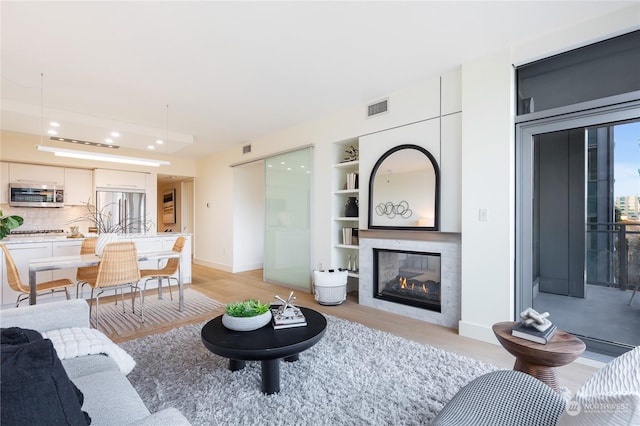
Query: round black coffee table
(265,344)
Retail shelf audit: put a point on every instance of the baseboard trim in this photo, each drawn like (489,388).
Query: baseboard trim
(214,265)
(247,267)
(477,332)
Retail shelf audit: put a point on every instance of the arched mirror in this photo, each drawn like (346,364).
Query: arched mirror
(404,190)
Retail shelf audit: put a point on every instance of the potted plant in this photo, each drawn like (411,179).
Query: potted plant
(9,222)
(247,315)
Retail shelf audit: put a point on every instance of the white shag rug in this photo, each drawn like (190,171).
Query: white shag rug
(354,376)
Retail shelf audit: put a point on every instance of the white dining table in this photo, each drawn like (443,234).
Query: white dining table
(82,260)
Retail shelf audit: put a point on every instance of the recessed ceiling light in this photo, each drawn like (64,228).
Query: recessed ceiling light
(283,163)
(52,132)
(302,166)
(87,143)
(115,134)
(60,139)
(108,140)
(269,165)
(289,169)
(54,124)
(151,147)
(159,142)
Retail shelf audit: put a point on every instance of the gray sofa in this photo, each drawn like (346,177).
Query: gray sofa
(109,397)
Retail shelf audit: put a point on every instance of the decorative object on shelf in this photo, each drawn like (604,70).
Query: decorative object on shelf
(352,154)
(9,222)
(247,315)
(330,287)
(392,210)
(287,315)
(349,264)
(351,207)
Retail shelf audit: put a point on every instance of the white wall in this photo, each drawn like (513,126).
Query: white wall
(410,105)
(488,157)
(248,217)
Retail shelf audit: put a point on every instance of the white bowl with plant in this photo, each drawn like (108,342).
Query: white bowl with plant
(247,315)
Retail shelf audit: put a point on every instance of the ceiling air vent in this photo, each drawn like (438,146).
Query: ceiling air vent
(246,149)
(378,108)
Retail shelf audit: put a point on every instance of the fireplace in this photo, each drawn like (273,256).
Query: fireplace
(407,277)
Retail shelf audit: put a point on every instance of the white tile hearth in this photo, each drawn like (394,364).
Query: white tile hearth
(447,244)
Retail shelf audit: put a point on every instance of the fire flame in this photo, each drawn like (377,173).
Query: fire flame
(403,285)
(403,282)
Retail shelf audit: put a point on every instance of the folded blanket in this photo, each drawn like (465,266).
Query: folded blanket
(81,341)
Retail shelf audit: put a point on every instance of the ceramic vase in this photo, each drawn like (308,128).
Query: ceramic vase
(246,323)
(104,239)
(351,208)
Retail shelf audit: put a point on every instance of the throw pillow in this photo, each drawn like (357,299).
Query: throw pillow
(35,388)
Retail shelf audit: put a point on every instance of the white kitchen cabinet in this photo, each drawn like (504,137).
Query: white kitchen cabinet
(78,187)
(22,254)
(118,179)
(34,173)
(4,182)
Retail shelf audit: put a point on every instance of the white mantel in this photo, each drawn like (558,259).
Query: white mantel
(448,244)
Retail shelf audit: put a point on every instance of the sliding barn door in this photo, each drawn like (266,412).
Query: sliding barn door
(287,253)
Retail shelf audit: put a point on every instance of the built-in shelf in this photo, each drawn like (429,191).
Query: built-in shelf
(348,191)
(347,164)
(347,246)
(344,255)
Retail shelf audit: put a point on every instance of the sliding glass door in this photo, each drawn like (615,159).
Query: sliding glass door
(578,219)
(287,253)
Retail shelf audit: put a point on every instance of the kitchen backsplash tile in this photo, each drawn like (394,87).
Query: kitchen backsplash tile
(47,218)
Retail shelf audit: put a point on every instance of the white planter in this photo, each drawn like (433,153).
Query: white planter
(246,323)
(104,239)
(330,288)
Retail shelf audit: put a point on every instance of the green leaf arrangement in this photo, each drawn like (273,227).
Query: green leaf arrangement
(246,308)
(7,223)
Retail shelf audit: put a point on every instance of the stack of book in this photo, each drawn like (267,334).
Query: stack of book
(352,181)
(531,333)
(291,317)
(350,236)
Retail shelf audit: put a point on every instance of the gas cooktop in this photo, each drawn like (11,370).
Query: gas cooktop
(37,231)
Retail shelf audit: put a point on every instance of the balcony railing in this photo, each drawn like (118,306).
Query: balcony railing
(613,254)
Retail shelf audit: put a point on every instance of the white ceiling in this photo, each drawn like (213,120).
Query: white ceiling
(234,71)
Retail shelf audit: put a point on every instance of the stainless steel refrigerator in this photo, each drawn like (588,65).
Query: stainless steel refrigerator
(128,209)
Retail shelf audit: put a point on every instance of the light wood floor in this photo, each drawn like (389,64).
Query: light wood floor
(226,287)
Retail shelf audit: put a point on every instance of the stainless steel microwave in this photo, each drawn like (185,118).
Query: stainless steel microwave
(36,195)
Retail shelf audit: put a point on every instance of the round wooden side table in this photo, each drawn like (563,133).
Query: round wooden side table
(537,359)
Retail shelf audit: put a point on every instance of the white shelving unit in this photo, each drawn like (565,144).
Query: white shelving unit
(342,253)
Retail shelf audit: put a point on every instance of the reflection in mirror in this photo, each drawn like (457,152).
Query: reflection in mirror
(404,190)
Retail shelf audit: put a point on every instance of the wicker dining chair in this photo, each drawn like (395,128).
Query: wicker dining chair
(118,269)
(86,274)
(16,284)
(168,271)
